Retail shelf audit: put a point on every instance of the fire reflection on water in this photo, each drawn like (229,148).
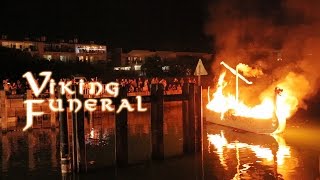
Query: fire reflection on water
(239,155)
(277,155)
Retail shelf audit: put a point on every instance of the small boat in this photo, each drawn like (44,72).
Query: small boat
(259,126)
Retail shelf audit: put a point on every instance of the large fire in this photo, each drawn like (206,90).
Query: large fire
(279,102)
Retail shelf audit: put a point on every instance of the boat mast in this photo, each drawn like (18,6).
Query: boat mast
(237,84)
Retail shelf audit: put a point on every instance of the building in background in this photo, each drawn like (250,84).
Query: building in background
(134,59)
(63,51)
(116,56)
(139,56)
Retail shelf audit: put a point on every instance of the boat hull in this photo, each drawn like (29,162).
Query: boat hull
(260,126)
(231,136)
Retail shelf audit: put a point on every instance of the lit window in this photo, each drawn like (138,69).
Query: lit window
(48,57)
(80,58)
(165,68)
(126,68)
(63,58)
(137,67)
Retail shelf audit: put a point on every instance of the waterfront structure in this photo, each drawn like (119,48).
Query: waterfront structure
(134,59)
(91,52)
(138,56)
(63,51)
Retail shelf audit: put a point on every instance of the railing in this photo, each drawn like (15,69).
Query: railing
(24,96)
(86,94)
(16,96)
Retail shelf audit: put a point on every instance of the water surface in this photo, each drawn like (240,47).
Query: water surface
(227,153)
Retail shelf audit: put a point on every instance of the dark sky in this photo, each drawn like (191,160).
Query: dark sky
(139,24)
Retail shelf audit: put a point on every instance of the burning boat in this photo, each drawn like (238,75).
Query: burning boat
(265,118)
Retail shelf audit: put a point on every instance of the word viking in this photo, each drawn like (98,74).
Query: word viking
(74,105)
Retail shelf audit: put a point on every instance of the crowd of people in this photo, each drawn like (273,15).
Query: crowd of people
(132,84)
(14,87)
(143,85)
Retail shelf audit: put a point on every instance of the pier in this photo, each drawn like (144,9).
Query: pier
(72,136)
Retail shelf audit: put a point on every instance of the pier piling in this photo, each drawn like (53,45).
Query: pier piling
(185,116)
(64,143)
(191,119)
(78,146)
(121,123)
(3,111)
(157,137)
(198,118)
(53,118)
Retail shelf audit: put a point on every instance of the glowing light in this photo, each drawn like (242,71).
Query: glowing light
(91,133)
(279,104)
(221,144)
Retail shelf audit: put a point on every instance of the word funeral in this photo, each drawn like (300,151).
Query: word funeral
(74,105)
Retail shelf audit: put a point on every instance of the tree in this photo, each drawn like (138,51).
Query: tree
(14,63)
(153,66)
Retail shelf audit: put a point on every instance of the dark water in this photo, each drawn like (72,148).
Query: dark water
(227,154)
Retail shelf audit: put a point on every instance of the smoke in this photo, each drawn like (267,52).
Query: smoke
(279,37)
(249,71)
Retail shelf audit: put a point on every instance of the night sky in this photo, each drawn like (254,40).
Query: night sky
(131,24)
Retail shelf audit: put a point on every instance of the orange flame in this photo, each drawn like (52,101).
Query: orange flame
(280,104)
